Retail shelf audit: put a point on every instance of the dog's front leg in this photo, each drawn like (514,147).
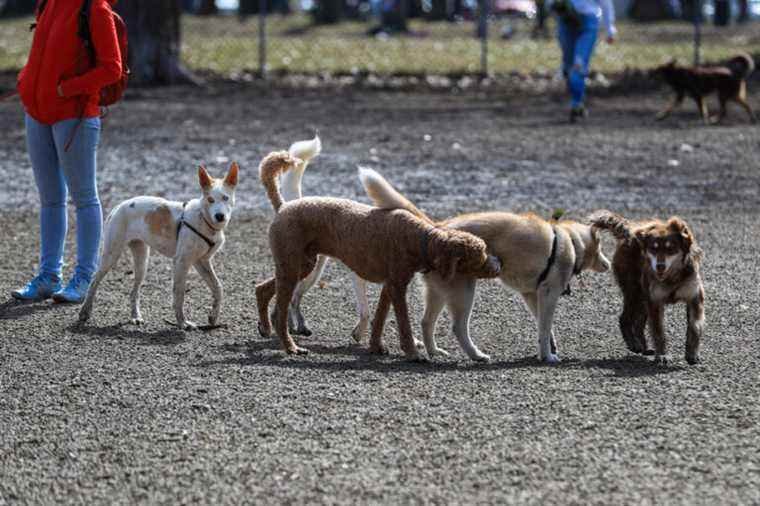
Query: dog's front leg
(181,267)
(206,271)
(656,315)
(547,303)
(264,293)
(670,108)
(703,111)
(400,308)
(695,317)
(434,300)
(381,313)
(296,320)
(362,308)
(460,299)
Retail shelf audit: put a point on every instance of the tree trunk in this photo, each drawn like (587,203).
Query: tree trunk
(153,27)
(328,11)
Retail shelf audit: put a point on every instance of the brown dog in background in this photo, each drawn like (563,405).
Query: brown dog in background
(729,81)
(656,263)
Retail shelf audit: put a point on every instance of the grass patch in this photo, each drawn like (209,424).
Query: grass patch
(227,46)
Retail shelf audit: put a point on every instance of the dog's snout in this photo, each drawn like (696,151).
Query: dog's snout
(219,217)
(660,267)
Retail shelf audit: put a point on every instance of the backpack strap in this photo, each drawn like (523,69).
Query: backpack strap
(84,29)
(40,8)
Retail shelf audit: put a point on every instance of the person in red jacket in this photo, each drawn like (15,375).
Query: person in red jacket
(59,87)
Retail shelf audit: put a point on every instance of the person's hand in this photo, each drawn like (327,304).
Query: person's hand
(60,91)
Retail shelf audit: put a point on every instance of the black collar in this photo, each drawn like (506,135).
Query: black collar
(424,242)
(182,221)
(550,262)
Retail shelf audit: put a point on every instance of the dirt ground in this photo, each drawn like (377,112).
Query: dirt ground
(110,413)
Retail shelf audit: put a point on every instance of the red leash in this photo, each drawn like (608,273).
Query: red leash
(8,95)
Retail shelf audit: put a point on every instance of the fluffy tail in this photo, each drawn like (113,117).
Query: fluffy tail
(274,164)
(384,195)
(614,223)
(291,181)
(741,65)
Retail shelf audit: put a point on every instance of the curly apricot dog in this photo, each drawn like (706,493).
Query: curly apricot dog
(381,246)
(656,263)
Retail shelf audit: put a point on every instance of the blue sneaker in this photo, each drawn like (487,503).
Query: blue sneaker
(40,288)
(75,291)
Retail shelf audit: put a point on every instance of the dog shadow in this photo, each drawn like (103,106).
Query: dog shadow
(632,366)
(161,337)
(18,309)
(352,357)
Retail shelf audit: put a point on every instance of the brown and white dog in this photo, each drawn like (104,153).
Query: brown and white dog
(380,245)
(656,263)
(539,260)
(188,233)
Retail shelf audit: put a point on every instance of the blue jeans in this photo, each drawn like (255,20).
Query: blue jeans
(577,47)
(56,172)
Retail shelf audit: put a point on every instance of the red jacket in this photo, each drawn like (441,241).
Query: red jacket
(58,57)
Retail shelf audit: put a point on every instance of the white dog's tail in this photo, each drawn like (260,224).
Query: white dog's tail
(384,195)
(291,180)
(274,164)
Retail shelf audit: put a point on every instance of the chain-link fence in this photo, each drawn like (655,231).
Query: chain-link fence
(435,39)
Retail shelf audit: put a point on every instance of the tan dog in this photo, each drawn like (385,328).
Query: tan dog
(381,246)
(189,233)
(656,263)
(539,259)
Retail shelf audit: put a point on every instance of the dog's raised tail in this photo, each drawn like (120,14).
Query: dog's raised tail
(274,164)
(741,65)
(385,196)
(613,223)
(303,150)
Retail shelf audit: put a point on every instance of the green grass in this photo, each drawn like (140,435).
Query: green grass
(227,46)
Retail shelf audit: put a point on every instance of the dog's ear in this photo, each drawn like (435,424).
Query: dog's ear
(446,266)
(204,179)
(444,254)
(678,226)
(641,236)
(672,62)
(232,175)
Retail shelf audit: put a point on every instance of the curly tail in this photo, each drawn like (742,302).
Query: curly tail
(385,196)
(613,223)
(741,65)
(274,164)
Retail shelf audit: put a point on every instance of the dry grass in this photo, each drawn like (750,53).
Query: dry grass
(227,46)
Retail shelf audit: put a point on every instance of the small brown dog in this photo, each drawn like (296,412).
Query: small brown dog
(380,245)
(656,263)
(730,81)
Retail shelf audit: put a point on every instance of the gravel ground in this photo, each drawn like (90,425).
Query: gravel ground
(110,413)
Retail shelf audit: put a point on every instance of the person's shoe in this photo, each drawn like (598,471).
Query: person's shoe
(40,288)
(577,113)
(75,291)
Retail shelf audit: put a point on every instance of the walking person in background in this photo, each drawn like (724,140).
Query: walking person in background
(59,88)
(578,25)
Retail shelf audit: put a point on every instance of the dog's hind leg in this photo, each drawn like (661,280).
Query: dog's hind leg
(670,108)
(180,270)
(206,271)
(381,313)
(695,318)
(286,285)
(264,293)
(633,322)
(113,246)
(434,301)
(741,99)
(140,256)
(296,320)
(703,111)
(362,308)
(656,320)
(460,300)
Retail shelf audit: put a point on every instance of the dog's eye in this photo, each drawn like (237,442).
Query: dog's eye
(225,198)
(211,200)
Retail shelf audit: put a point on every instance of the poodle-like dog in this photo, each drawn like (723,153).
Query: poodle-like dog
(380,245)
(540,258)
(656,263)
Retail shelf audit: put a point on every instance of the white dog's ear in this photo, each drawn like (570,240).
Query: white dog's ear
(204,179)
(232,175)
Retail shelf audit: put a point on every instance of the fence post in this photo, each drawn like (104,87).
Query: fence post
(263,39)
(697,30)
(483,32)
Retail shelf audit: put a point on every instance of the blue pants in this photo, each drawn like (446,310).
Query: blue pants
(57,172)
(577,47)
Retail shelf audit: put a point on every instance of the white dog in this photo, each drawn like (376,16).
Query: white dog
(190,233)
(291,190)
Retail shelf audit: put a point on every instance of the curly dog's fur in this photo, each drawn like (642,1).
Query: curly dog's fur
(381,246)
(656,263)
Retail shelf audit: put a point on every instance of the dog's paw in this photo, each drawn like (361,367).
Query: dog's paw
(661,360)
(264,330)
(297,350)
(481,357)
(213,319)
(693,360)
(302,331)
(442,353)
(137,321)
(417,358)
(378,350)
(552,358)
(188,326)
(359,332)
(84,315)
